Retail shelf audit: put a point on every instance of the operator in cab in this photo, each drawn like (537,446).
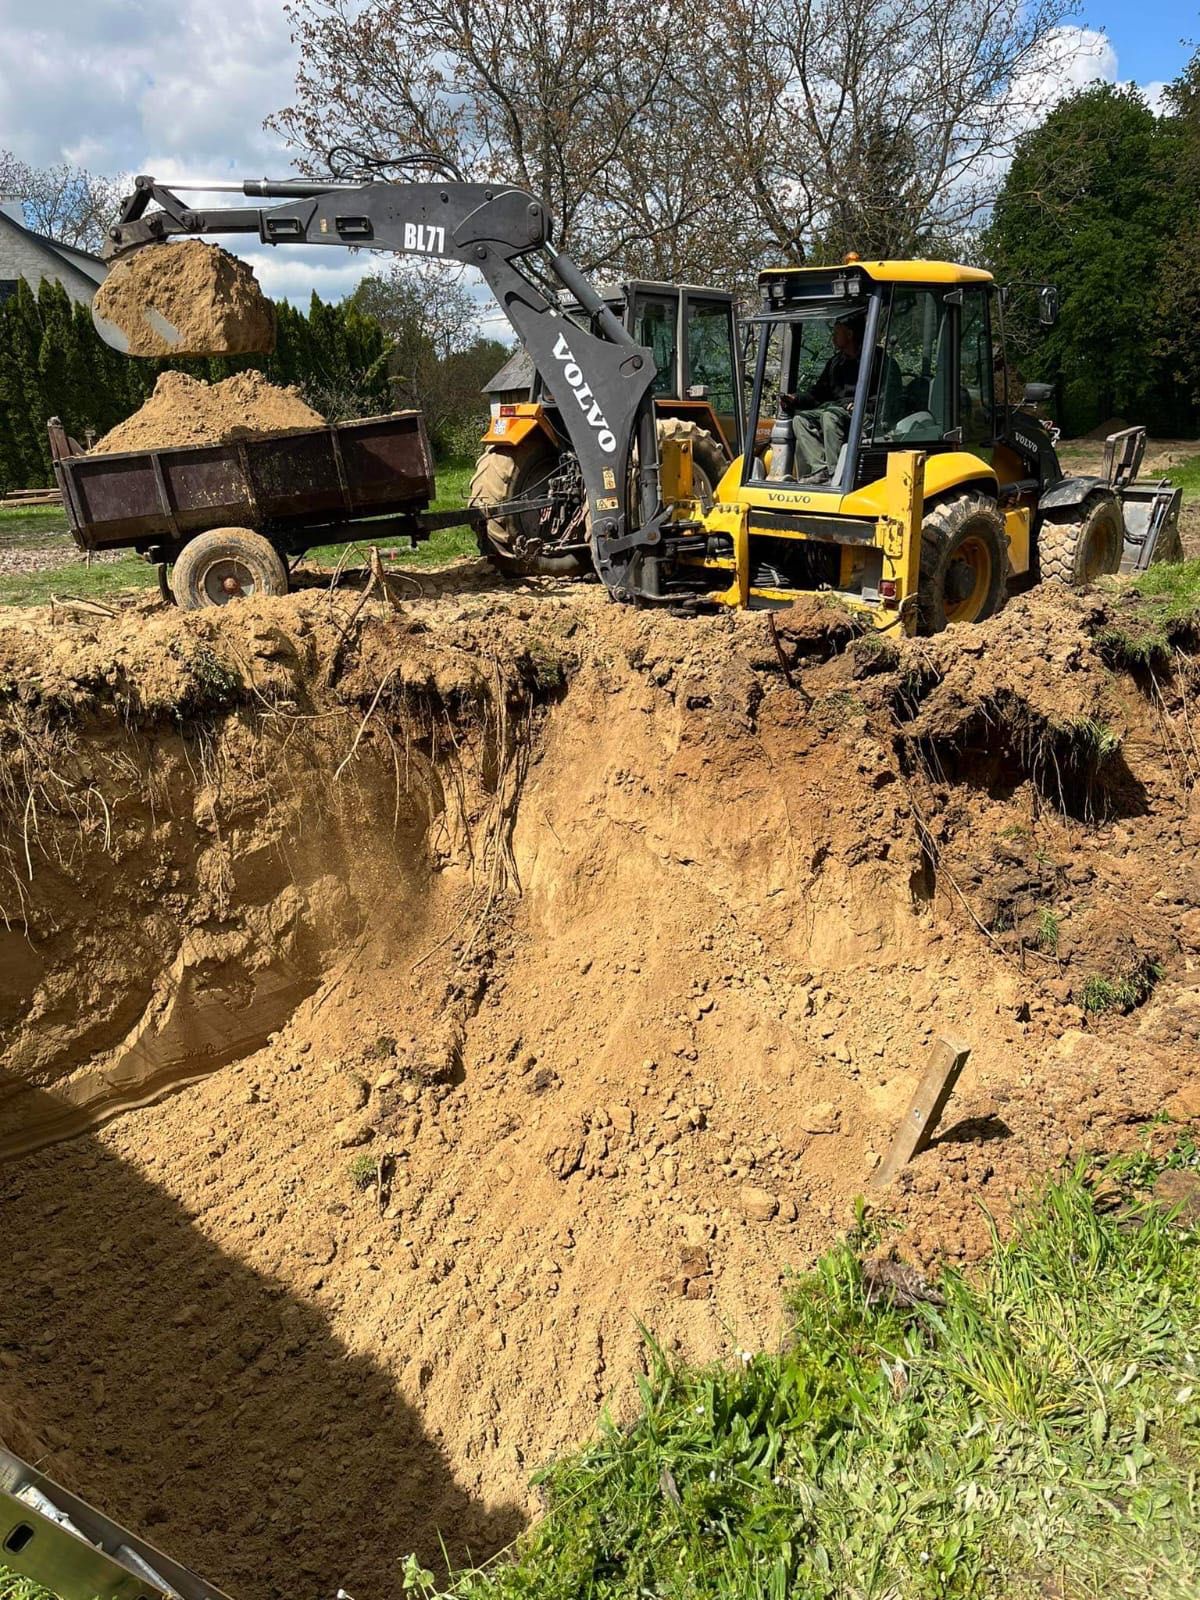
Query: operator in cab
(821,418)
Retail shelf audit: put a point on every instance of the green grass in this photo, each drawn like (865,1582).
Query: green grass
(363,1170)
(78,579)
(1173,590)
(453,488)
(98,582)
(1037,1434)
(1187,477)
(14,1588)
(1048,930)
(1123,992)
(21,523)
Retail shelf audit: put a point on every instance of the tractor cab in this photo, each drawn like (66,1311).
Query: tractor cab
(692,334)
(889,355)
(527,477)
(883,465)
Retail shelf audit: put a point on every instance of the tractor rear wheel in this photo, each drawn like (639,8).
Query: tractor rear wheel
(964,562)
(1083,542)
(511,543)
(708,459)
(525,473)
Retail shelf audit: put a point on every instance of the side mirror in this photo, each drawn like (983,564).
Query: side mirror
(1047,304)
(1037,394)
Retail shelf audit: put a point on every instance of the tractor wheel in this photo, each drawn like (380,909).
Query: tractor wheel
(226,564)
(964,562)
(519,474)
(513,474)
(709,460)
(1085,544)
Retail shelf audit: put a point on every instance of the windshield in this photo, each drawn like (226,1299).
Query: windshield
(810,385)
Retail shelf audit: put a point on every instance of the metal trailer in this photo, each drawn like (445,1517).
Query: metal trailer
(230,514)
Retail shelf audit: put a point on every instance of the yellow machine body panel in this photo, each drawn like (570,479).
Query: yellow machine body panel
(938,272)
(894,505)
(513,424)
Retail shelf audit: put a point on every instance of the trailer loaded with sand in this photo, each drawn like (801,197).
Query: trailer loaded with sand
(225,483)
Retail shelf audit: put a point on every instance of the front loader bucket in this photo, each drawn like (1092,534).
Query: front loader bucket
(1151,513)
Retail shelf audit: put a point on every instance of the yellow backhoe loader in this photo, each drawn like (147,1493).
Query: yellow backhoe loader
(877,464)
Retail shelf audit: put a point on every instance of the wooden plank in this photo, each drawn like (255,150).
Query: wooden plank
(943,1068)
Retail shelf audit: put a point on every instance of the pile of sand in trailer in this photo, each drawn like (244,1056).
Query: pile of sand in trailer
(375,1272)
(188,411)
(187,298)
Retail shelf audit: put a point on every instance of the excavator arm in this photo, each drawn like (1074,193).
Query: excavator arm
(599,374)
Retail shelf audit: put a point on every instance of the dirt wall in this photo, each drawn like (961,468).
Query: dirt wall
(634,955)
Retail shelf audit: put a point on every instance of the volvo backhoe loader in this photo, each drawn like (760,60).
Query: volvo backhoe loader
(930,496)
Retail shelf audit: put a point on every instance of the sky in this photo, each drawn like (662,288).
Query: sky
(179,89)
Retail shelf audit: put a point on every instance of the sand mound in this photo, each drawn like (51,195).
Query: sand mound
(187,298)
(540,967)
(188,411)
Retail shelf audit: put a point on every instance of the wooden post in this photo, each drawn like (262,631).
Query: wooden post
(942,1071)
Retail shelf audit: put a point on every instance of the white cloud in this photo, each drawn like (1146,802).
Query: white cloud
(180,90)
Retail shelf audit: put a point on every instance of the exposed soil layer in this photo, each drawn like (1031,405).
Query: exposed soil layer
(187,298)
(598,962)
(187,411)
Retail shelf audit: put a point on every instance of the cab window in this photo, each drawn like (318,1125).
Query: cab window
(655,325)
(977,399)
(710,352)
(911,398)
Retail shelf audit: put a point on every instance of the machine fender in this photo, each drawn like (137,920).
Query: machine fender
(508,431)
(1070,492)
(954,469)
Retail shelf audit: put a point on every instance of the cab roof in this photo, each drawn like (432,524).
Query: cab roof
(887,272)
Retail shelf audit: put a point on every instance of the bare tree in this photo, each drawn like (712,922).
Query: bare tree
(64,202)
(568,99)
(695,144)
(876,125)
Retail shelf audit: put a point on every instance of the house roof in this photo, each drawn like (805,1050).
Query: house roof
(82,260)
(516,373)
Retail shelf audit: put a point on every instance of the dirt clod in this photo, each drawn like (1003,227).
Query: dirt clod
(187,411)
(187,298)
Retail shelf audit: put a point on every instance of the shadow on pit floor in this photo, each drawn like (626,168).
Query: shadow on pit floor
(203,1405)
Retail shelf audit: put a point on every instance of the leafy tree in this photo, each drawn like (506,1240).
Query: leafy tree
(1087,203)
(438,361)
(1179,285)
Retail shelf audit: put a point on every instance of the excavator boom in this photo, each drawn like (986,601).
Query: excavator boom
(599,374)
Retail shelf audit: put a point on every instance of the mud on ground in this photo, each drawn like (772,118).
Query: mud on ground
(508,972)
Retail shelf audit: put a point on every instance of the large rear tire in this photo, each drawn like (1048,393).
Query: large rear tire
(709,460)
(964,562)
(226,564)
(1082,543)
(519,473)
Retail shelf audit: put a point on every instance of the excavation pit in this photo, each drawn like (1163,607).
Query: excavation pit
(400,1012)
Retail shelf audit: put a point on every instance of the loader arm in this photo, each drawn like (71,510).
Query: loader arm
(601,379)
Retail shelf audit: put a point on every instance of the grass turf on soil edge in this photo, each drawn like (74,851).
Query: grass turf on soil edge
(1037,1432)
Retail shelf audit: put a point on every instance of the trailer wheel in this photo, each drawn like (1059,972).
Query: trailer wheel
(1085,544)
(964,562)
(226,564)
